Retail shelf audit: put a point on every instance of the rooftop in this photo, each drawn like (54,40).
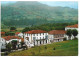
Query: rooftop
(2,33)
(36,31)
(17,32)
(57,32)
(12,37)
(73,26)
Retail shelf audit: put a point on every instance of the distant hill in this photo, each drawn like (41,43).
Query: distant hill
(23,14)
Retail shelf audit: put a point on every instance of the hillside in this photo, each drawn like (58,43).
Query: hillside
(65,48)
(23,14)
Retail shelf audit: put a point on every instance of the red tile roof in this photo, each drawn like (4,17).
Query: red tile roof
(73,26)
(36,31)
(17,32)
(57,32)
(2,33)
(12,37)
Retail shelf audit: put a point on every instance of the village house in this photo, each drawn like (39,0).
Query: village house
(36,37)
(19,34)
(9,39)
(56,35)
(71,27)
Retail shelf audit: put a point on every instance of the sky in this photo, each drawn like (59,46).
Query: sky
(71,4)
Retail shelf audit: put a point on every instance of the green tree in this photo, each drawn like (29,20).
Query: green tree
(13,28)
(69,33)
(9,33)
(9,47)
(26,29)
(74,32)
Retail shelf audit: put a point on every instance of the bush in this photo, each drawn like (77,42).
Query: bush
(13,28)
(75,38)
(45,47)
(54,48)
(64,39)
(6,53)
(8,47)
(3,50)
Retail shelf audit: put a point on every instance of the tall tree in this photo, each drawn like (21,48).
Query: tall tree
(69,33)
(13,28)
(74,32)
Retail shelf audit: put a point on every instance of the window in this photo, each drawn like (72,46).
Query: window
(2,44)
(34,34)
(40,42)
(58,40)
(43,41)
(40,37)
(27,34)
(34,38)
(43,37)
(37,34)
(46,41)
(40,34)
(43,33)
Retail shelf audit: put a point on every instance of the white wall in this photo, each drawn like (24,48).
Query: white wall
(12,40)
(2,43)
(66,28)
(50,36)
(36,36)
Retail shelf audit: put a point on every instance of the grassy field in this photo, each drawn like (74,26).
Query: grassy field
(65,48)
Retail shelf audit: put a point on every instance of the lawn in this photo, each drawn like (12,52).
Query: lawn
(65,48)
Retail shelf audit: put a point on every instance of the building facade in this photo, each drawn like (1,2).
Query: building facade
(71,27)
(36,37)
(56,35)
(2,43)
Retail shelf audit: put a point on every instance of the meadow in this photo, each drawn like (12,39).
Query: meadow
(65,48)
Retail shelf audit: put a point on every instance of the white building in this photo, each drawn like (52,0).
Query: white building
(71,27)
(2,43)
(19,34)
(36,37)
(9,39)
(56,35)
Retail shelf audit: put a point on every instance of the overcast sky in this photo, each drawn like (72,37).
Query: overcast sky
(71,4)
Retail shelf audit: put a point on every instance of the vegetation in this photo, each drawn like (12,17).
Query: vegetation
(9,33)
(13,28)
(9,47)
(48,27)
(74,32)
(26,14)
(69,33)
(65,48)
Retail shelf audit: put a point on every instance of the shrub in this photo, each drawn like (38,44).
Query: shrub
(75,38)
(6,53)
(54,48)
(3,50)
(64,39)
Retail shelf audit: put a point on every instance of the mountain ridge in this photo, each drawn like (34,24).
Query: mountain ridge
(35,13)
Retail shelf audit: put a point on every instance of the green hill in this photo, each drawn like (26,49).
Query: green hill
(65,48)
(23,14)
